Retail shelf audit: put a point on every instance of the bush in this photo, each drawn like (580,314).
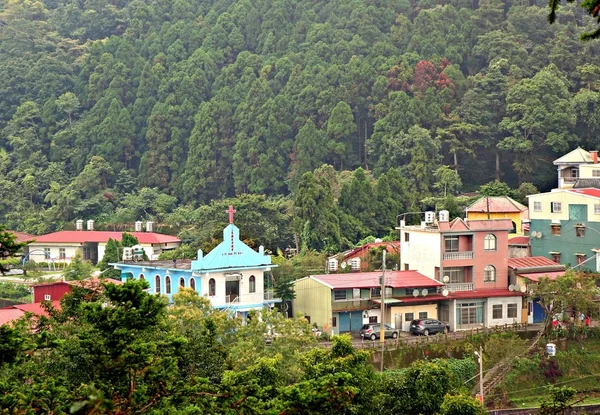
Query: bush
(549,368)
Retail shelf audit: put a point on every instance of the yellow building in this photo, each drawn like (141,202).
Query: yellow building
(500,207)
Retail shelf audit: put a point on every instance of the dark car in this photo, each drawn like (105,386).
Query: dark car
(372,331)
(428,326)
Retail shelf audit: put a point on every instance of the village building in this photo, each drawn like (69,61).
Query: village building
(470,258)
(62,246)
(359,259)
(518,247)
(342,303)
(500,207)
(232,276)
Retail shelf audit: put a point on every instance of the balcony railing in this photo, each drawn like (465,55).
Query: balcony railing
(254,298)
(351,304)
(460,286)
(458,255)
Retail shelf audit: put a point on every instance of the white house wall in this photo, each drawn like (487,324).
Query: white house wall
(422,252)
(504,301)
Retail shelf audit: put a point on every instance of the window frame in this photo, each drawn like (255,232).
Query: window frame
(47,297)
(47,253)
(423,315)
(339,298)
(555,229)
(556,207)
(157,285)
(495,309)
(193,283)
(597,209)
(375,292)
(167,285)
(333,321)
(512,308)
(580,231)
(181,282)
(449,242)
(537,206)
(556,257)
(252,284)
(212,287)
(489,273)
(62,253)
(490,242)
(406,237)
(372,319)
(407,318)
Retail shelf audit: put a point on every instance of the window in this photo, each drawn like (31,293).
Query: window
(555,229)
(46,253)
(580,231)
(580,258)
(142,277)
(451,243)
(339,295)
(181,282)
(574,172)
(422,315)
(157,285)
(595,173)
(372,319)
(537,206)
(252,284)
(62,254)
(333,264)
(456,274)
(556,257)
(489,242)
(511,310)
(168,284)
(489,273)
(556,207)
(193,284)
(469,314)
(212,287)
(47,297)
(497,311)
(87,253)
(406,237)
(334,321)
(355,264)
(375,292)
(406,267)
(597,209)
(409,316)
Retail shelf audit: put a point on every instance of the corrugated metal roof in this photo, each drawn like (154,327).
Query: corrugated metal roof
(395,279)
(585,183)
(536,276)
(483,294)
(519,240)
(8,315)
(496,204)
(592,192)
(103,237)
(530,262)
(578,155)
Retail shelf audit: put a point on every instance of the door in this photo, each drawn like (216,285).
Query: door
(538,312)
(350,321)
(232,290)
(398,321)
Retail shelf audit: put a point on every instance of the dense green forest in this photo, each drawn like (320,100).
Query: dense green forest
(321,119)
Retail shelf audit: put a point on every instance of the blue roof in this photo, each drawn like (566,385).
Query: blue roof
(231,254)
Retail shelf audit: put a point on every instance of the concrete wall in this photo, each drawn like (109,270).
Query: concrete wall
(504,301)
(313,299)
(422,252)
(430,309)
(37,253)
(497,258)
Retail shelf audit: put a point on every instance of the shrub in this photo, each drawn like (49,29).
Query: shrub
(549,368)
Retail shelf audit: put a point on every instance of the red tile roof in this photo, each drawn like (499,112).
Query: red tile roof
(535,276)
(8,315)
(36,308)
(22,236)
(531,262)
(103,236)
(497,204)
(519,240)
(395,279)
(588,192)
(88,283)
(392,248)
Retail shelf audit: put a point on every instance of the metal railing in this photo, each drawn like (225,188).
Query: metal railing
(460,286)
(458,255)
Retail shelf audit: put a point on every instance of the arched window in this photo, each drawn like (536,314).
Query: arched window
(252,284)
(489,273)
(212,287)
(142,277)
(181,282)
(168,284)
(157,289)
(193,284)
(490,242)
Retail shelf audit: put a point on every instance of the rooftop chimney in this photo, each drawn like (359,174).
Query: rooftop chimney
(90,225)
(594,155)
(149,226)
(79,224)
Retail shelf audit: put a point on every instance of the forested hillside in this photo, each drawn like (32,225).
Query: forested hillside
(150,109)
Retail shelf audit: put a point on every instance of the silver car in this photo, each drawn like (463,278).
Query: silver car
(372,331)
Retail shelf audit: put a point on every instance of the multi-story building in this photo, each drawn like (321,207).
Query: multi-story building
(341,303)
(358,259)
(231,276)
(500,207)
(565,226)
(470,258)
(578,169)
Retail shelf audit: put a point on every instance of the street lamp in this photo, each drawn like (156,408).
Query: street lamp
(479,356)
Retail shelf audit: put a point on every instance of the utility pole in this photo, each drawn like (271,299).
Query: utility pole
(480,360)
(382,324)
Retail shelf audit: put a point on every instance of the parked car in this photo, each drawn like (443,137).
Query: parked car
(372,331)
(428,326)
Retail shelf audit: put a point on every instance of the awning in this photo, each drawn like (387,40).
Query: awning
(388,301)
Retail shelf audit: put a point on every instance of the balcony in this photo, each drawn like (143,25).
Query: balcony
(458,255)
(460,286)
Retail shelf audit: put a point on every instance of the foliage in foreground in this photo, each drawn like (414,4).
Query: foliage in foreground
(123,352)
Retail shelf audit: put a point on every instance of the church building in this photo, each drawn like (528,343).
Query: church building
(231,276)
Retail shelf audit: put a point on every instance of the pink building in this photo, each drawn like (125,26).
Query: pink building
(471,259)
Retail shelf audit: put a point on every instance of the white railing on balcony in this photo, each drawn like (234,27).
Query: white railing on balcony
(458,255)
(254,298)
(460,286)
(269,295)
